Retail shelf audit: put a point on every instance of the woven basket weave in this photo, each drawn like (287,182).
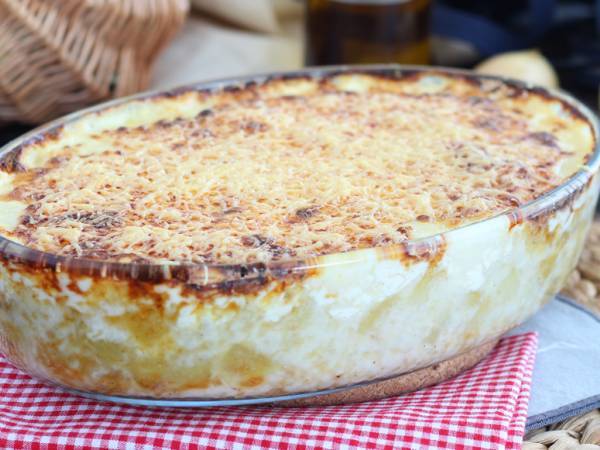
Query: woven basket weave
(57,56)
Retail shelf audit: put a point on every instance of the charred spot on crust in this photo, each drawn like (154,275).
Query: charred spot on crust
(31,216)
(476,168)
(53,133)
(10,163)
(382,239)
(254,126)
(166,123)
(423,218)
(255,240)
(163,123)
(495,123)
(387,74)
(173,93)
(473,80)
(232,88)
(307,213)
(292,76)
(203,133)
(512,88)
(476,100)
(522,173)
(404,230)
(544,138)
(56,161)
(205,113)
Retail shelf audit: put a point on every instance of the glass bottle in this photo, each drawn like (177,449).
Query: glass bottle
(367,32)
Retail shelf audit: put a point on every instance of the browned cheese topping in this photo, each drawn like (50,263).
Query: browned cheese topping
(291,169)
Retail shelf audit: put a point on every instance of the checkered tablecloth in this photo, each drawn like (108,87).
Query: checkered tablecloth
(485,407)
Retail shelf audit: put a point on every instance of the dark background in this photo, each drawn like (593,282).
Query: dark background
(566,32)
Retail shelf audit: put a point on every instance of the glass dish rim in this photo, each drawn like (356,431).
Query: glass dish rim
(549,200)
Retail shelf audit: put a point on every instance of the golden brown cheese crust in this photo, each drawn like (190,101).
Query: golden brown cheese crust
(290,169)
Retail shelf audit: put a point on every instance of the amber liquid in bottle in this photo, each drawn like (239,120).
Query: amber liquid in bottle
(367,32)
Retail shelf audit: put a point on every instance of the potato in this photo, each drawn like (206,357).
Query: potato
(528,65)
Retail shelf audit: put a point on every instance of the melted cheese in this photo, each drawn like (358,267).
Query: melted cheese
(290,169)
(11,214)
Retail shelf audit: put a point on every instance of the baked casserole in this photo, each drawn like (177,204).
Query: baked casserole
(277,235)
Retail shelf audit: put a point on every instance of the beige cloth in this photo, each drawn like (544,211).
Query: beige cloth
(257,15)
(206,50)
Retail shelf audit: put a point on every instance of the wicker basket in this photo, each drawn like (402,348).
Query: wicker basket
(57,56)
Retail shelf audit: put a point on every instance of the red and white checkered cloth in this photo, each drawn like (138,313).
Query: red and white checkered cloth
(485,407)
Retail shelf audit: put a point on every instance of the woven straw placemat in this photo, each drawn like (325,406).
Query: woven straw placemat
(584,283)
(583,431)
(577,433)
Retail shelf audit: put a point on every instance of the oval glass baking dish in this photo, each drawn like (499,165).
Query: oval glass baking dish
(200,334)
